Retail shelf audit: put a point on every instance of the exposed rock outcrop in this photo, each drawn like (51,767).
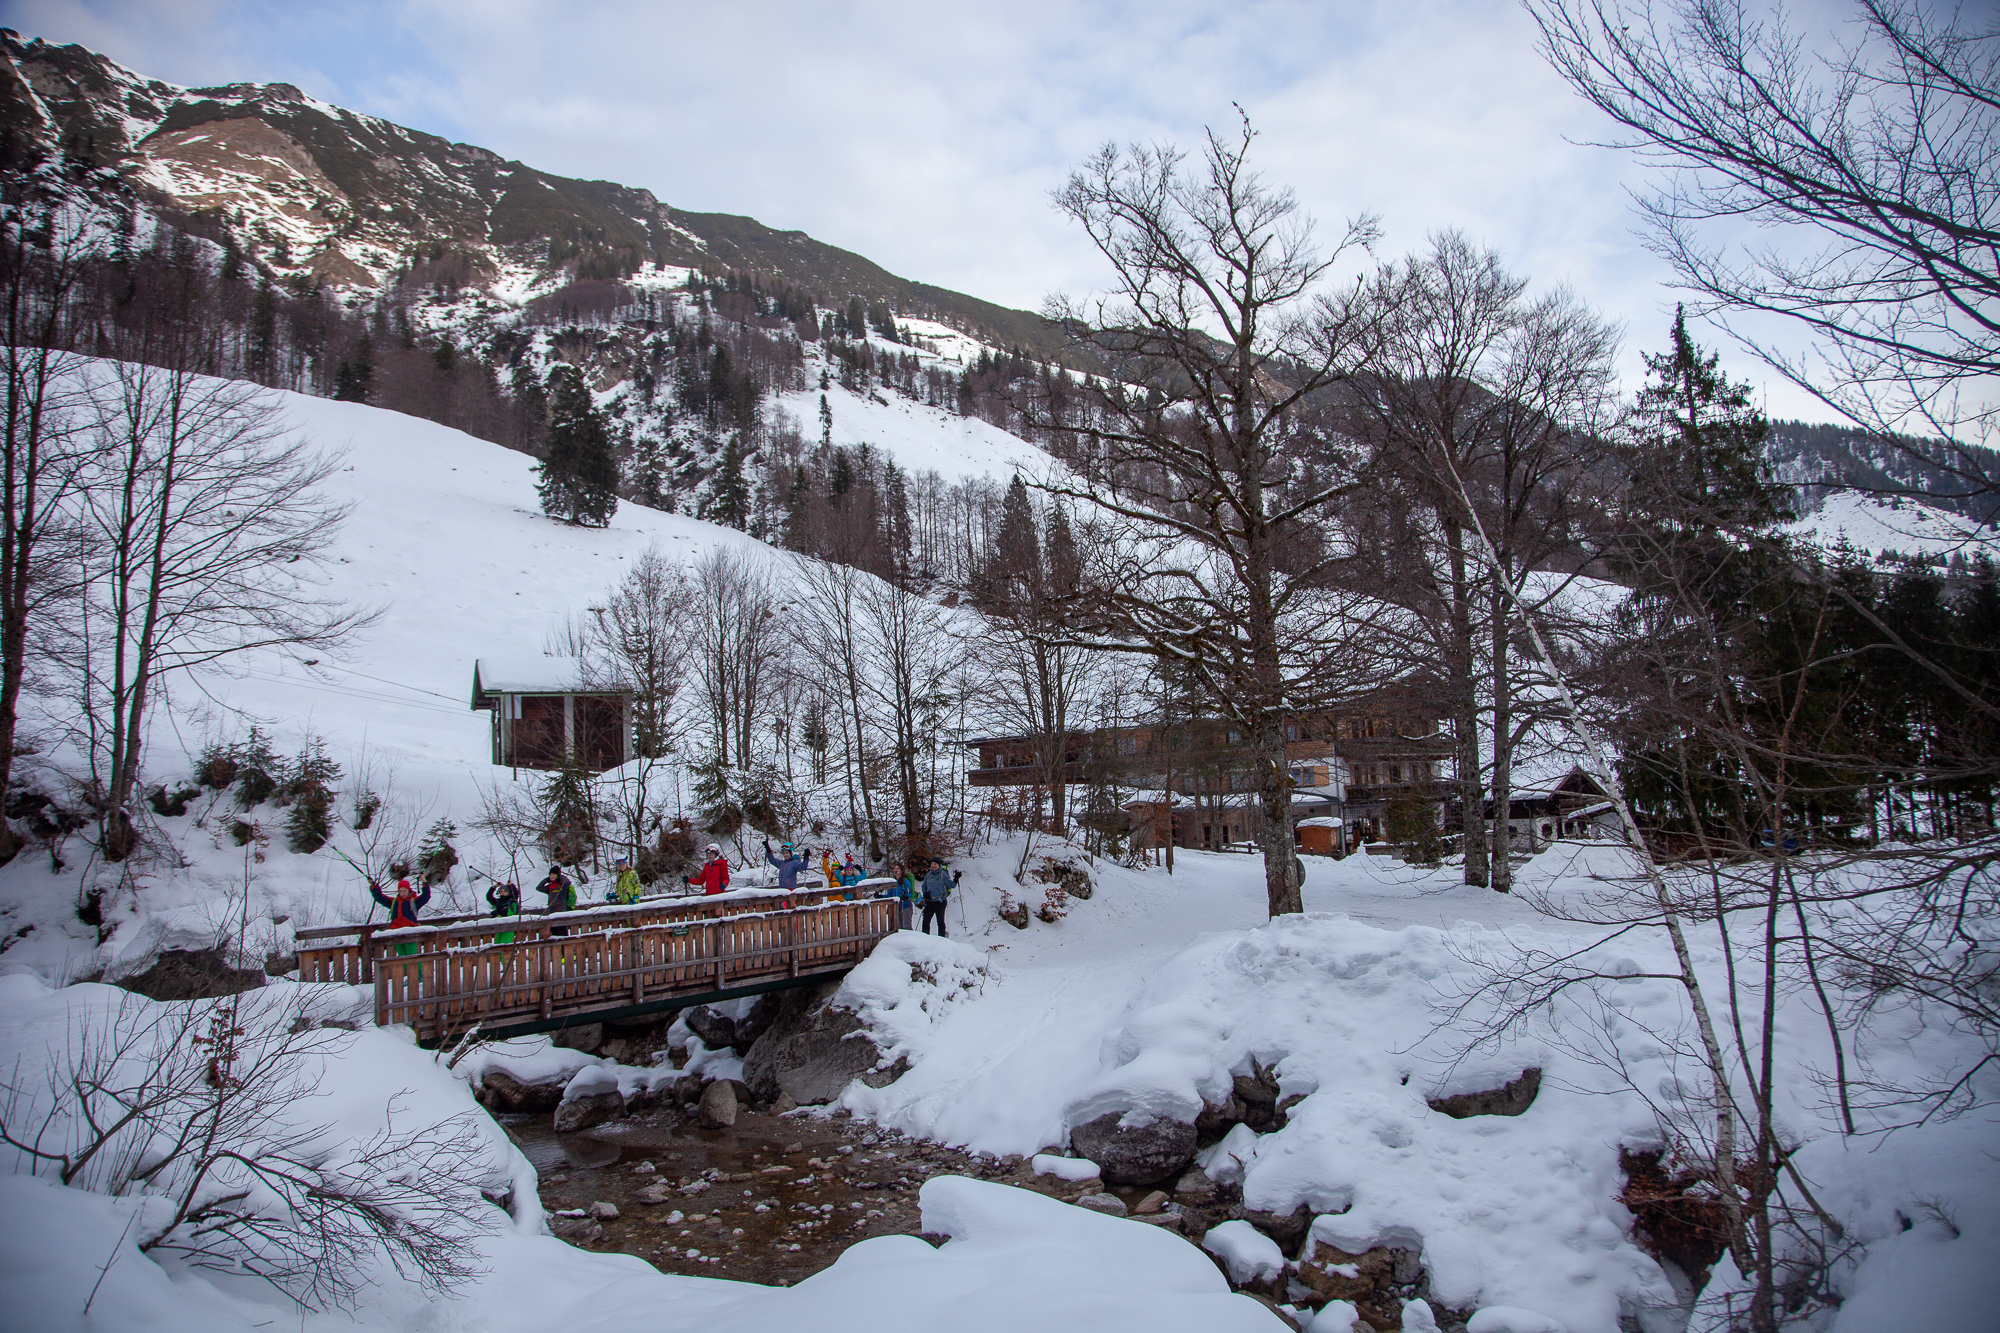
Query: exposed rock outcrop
(717,1108)
(1508,1099)
(812,1050)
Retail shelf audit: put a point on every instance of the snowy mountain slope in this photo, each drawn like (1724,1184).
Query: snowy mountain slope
(1886,528)
(920,438)
(313,189)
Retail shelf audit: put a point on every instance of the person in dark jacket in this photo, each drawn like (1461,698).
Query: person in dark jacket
(938,885)
(403,909)
(561,895)
(789,865)
(505,900)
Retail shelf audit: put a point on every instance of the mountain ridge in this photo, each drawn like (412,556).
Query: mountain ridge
(322,193)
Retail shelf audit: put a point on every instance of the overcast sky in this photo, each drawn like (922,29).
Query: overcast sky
(927,137)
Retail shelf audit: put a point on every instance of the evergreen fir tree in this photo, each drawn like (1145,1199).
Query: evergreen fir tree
(579,476)
(1700,478)
(1015,564)
(310,787)
(731,506)
(825,419)
(435,854)
(259,771)
(353,378)
(896,521)
(262,357)
(649,473)
(1065,563)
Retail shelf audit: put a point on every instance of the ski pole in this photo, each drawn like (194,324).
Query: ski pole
(365,876)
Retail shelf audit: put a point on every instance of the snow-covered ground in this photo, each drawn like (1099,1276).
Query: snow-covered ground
(919,438)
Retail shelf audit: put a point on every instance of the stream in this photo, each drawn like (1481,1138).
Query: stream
(771,1199)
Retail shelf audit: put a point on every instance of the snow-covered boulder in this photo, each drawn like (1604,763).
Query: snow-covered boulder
(1248,1254)
(591,1098)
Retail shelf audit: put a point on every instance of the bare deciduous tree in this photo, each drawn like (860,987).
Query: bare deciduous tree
(44,252)
(203,524)
(736,644)
(912,658)
(833,598)
(1202,499)
(1871,164)
(198,1106)
(1483,398)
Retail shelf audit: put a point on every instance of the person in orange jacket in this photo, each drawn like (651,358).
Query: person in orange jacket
(713,877)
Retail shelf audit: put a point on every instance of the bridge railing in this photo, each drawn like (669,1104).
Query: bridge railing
(346,954)
(452,981)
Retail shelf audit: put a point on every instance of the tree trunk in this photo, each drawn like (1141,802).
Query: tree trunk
(1274,830)
(1503,742)
(1465,713)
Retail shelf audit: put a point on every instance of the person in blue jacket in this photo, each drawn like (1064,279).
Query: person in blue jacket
(938,885)
(905,891)
(847,874)
(788,866)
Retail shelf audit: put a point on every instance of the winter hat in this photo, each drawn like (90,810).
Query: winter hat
(403,886)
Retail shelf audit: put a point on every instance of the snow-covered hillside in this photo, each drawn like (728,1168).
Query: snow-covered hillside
(445,539)
(1885,528)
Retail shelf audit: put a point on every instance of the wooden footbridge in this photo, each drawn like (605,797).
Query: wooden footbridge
(562,969)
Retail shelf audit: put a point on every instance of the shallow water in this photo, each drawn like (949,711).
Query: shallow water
(772,1199)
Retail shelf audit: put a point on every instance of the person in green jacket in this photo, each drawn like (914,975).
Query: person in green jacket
(505,900)
(626,889)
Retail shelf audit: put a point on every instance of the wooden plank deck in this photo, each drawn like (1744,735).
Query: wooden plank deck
(614,962)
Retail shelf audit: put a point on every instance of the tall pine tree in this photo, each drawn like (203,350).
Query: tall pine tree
(579,476)
(731,506)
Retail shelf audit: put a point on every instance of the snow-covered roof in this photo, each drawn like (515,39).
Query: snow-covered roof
(1319,821)
(535,675)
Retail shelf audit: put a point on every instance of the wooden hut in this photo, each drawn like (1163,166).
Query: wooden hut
(547,711)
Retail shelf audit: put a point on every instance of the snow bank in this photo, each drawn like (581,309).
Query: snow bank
(904,989)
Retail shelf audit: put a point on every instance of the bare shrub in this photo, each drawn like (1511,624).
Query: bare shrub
(197,1105)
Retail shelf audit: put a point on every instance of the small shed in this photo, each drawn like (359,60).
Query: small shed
(549,710)
(1318,836)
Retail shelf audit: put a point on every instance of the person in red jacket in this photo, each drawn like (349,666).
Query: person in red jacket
(714,876)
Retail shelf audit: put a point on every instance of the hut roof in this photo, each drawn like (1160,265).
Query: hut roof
(537,675)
